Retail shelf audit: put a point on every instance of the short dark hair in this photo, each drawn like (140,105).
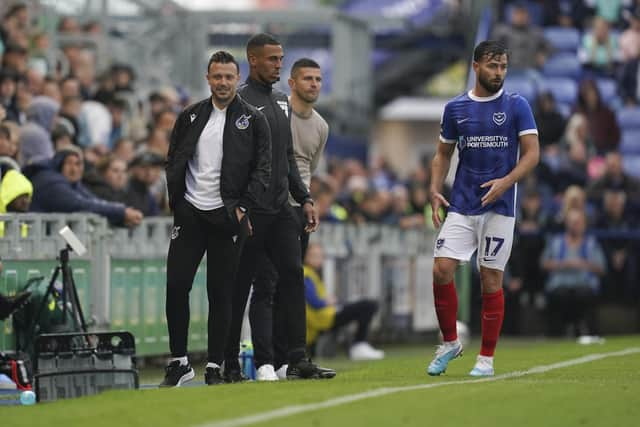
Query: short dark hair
(303,63)
(490,49)
(222,57)
(261,40)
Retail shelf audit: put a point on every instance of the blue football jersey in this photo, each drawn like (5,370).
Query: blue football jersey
(486,131)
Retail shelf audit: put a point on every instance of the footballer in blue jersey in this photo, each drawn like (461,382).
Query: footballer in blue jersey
(497,142)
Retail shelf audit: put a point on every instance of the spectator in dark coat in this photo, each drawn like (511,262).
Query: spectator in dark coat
(614,178)
(620,251)
(110,179)
(57,188)
(551,124)
(8,88)
(603,127)
(629,82)
(145,170)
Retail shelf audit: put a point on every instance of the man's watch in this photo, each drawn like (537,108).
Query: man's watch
(308,200)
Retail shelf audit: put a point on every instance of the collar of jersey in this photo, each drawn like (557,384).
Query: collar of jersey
(259,85)
(485,98)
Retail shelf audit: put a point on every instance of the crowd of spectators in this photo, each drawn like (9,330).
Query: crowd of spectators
(84,137)
(581,174)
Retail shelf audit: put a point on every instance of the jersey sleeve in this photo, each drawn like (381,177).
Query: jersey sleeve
(524,118)
(448,130)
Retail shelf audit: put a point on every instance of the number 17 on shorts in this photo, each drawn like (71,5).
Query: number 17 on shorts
(490,233)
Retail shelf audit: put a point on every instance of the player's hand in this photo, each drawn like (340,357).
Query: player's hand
(3,113)
(132,217)
(240,215)
(576,263)
(497,189)
(312,220)
(437,201)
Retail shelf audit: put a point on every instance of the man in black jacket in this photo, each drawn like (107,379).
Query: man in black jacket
(218,167)
(276,233)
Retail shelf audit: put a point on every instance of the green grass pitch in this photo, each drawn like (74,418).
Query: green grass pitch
(603,392)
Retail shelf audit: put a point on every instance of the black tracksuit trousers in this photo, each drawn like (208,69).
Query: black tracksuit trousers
(195,232)
(276,237)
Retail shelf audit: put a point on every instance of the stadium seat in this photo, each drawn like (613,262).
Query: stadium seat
(608,89)
(630,142)
(563,65)
(564,89)
(631,164)
(563,39)
(523,86)
(380,56)
(629,118)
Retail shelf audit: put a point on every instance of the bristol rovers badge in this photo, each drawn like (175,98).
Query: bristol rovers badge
(243,122)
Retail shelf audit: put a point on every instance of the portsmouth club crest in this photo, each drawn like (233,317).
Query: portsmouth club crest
(499,118)
(243,122)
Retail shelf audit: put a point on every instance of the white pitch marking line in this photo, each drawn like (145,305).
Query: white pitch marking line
(298,409)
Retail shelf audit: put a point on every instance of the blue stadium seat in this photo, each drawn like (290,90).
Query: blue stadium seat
(608,89)
(630,143)
(629,118)
(523,86)
(380,56)
(564,89)
(563,39)
(631,164)
(563,65)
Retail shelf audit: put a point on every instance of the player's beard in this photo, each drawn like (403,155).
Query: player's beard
(308,98)
(489,85)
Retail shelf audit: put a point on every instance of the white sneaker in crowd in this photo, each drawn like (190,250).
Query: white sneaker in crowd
(266,373)
(364,351)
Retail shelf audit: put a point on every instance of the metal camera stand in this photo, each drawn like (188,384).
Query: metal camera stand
(70,301)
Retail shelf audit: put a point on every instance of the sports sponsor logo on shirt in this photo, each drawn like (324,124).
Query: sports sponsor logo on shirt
(484,141)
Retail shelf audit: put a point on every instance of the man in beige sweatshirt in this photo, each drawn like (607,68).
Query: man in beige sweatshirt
(310,132)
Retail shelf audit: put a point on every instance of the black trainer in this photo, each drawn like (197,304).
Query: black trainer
(213,376)
(233,376)
(306,369)
(177,374)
